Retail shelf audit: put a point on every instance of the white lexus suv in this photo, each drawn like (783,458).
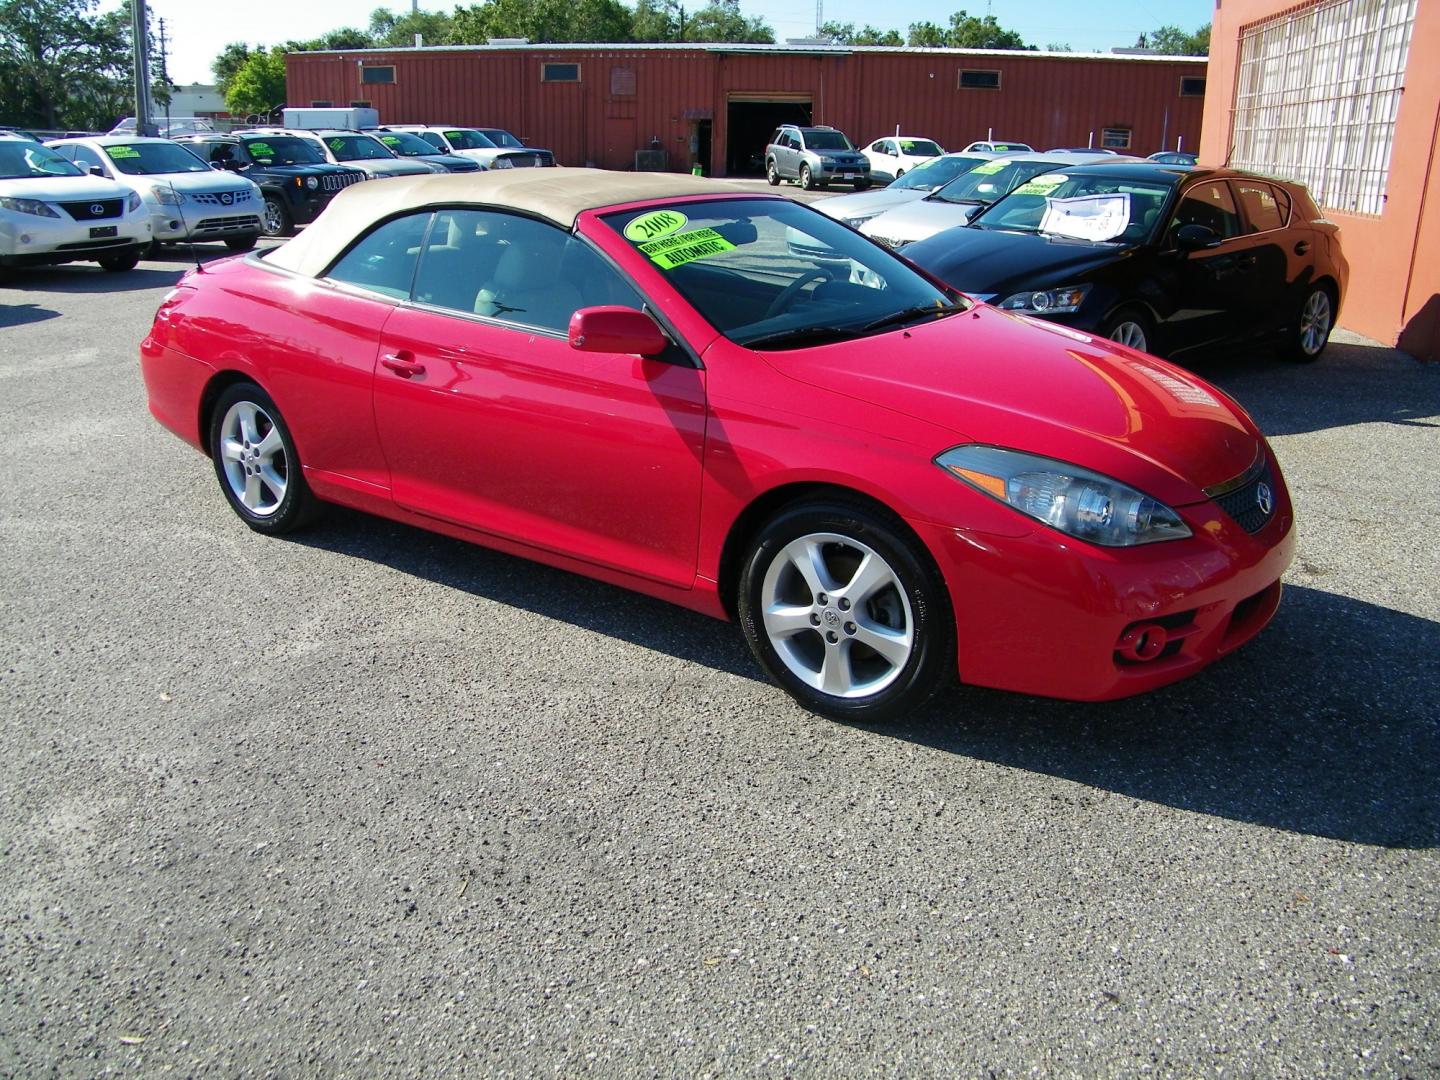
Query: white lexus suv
(52,212)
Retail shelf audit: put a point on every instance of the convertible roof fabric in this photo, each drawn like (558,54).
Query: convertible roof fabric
(560,195)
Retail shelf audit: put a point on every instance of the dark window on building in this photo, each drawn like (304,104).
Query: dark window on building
(322,104)
(1192,87)
(377,74)
(560,73)
(1115,138)
(979,80)
(360,104)
(622,82)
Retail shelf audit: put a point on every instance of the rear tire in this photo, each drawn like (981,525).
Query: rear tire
(1311,333)
(256,463)
(241,243)
(846,611)
(772,175)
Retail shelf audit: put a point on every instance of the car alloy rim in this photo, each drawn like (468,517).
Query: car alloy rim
(1130,334)
(272,216)
(1315,322)
(837,615)
(253,453)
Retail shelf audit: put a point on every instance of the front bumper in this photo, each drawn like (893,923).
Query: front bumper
(216,223)
(1049,615)
(31,240)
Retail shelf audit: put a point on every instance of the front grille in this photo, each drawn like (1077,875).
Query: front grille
(95,210)
(225,224)
(889,242)
(1250,497)
(336,181)
(220,198)
(523,161)
(91,245)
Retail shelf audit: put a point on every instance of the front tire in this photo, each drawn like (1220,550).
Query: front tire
(772,175)
(862,185)
(241,243)
(1307,340)
(846,612)
(256,463)
(120,261)
(806,180)
(1131,327)
(275,218)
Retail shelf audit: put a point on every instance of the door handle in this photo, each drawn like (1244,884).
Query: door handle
(403,364)
(1302,246)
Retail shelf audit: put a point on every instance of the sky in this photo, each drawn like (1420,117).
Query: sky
(197,34)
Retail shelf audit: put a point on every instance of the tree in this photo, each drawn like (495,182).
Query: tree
(657,20)
(347,37)
(259,85)
(225,66)
(1173,41)
(722,20)
(388,28)
(965,31)
(846,34)
(62,67)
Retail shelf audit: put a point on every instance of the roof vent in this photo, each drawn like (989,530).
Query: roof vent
(507,41)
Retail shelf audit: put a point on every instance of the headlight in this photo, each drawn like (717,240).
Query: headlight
(312,182)
(856,222)
(166,196)
(28,206)
(132,201)
(1076,501)
(501,163)
(1047,301)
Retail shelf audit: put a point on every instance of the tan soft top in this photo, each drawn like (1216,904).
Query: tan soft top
(558,194)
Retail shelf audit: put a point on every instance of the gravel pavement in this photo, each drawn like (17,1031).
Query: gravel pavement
(369,801)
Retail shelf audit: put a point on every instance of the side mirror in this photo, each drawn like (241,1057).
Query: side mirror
(1196,238)
(96,170)
(218,166)
(616,330)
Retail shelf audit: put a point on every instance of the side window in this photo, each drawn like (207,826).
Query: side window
(85,157)
(514,269)
(384,260)
(1262,211)
(433,139)
(1209,205)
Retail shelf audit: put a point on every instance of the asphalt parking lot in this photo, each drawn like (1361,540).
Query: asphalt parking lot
(370,801)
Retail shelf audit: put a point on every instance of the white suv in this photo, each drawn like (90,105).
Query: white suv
(52,212)
(186,198)
(469,142)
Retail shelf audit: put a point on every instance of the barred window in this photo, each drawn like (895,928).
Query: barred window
(1317,96)
(979,80)
(1115,138)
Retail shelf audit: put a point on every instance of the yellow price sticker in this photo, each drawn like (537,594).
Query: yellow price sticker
(654,225)
(990,168)
(681,248)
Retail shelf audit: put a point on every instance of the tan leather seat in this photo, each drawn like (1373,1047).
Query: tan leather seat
(526,288)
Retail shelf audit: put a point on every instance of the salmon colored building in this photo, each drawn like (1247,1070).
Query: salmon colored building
(1344,95)
(716,105)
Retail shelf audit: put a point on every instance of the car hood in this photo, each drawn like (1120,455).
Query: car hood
(450,161)
(383,167)
(867,202)
(990,263)
(920,218)
(63,188)
(991,377)
(317,169)
(211,180)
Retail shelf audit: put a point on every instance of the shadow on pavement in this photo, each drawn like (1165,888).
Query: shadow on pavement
(88,278)
(22,314)
(1328,724)
(1352,383)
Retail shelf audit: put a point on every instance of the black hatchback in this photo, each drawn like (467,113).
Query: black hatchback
(1165,259)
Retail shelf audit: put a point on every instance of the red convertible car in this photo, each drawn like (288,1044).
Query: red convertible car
(635,378)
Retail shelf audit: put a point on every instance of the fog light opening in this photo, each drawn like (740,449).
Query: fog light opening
(1142,642)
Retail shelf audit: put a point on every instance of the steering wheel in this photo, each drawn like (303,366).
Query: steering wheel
(788,294)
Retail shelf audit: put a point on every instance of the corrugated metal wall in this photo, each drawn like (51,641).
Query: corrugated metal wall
(1045,100)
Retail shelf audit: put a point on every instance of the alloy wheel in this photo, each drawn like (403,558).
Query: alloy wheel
(1315,320)
(253,455)
(1130,334)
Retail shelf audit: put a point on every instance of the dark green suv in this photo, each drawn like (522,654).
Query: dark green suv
(295,179)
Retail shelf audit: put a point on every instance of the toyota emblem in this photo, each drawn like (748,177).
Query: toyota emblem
(97,209)
(1264,498)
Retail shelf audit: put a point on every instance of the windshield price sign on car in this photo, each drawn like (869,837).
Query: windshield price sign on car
(681,248)
(1089,217)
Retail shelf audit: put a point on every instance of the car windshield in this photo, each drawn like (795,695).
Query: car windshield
(774,274)
(920,148)
(987,182)
(826,140)
(467,139)
(405,144)
(936,173)
(283,150)
(500,137)
(21,160)
(1010,148)
(355,147)
(1098,208)
(152,159)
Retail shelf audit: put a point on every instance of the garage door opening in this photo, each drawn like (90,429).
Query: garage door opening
(748,127)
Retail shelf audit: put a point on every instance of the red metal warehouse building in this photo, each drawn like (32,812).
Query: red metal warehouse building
(715,105)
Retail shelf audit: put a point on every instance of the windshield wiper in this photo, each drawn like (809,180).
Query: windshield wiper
(802,335)
(911,314)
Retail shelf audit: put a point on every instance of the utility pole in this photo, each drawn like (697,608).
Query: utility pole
(165,72)
(140,37)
